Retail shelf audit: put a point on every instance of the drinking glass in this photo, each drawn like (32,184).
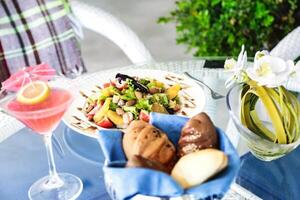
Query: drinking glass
(260,147)
(43,118)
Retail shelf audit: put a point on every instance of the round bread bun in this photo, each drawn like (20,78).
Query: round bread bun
(197,167)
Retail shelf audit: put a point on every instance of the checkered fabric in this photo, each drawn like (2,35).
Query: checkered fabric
(37,31)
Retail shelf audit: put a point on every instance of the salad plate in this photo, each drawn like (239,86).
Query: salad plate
(99,88)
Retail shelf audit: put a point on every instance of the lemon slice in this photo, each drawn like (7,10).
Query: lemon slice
(33,93)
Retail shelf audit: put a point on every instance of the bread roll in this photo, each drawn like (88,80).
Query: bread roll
(195,168)
(139,161)
(143,139)
(198,133)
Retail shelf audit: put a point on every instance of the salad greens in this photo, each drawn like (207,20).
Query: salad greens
(128,94)
(143,104)
(127,98)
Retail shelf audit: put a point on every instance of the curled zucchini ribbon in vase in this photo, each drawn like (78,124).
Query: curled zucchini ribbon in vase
(282,107)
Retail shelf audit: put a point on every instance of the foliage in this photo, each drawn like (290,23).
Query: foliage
(221,27)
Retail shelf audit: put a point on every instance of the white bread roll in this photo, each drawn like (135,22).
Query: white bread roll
(195,168)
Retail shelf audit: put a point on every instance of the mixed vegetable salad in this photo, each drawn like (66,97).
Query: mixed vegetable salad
(127,98)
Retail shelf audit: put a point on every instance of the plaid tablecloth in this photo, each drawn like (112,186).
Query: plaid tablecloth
(36,31)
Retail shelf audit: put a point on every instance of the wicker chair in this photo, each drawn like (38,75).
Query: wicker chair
(289,47)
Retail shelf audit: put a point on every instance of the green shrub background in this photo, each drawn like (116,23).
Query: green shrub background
(221,27)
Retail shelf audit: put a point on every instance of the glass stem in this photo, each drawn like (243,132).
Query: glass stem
(54,181)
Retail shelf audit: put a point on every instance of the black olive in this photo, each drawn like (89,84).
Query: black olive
(136,84)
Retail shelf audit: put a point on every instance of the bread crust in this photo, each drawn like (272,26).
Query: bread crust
(198,133)
(143,139)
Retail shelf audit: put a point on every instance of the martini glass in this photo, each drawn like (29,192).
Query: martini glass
(43,118)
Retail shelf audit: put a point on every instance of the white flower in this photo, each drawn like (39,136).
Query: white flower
(230,64)
(237,67)
(260,54)
(270,71)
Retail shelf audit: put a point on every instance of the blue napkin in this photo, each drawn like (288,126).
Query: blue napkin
(278,179)
(124,183)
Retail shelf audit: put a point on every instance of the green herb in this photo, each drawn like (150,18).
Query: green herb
(144,82)
(113,106)
(130,83)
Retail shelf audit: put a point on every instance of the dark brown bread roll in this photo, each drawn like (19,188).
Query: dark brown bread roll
(198,133)
(139,161)
(143,139)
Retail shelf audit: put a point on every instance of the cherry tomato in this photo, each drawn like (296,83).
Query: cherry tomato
(144,115)
(108,84)
(105,85)
(105,123)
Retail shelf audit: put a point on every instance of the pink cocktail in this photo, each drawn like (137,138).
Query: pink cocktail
(42,117)
(40,105)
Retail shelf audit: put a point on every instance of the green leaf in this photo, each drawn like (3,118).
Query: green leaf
(163,20)
(144,82)
(128,94)
(160,98)
(143,104)
(268,20)
(261,10)
(215,2)
(151,85)
(206,27)
(265,95)
(231,39)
